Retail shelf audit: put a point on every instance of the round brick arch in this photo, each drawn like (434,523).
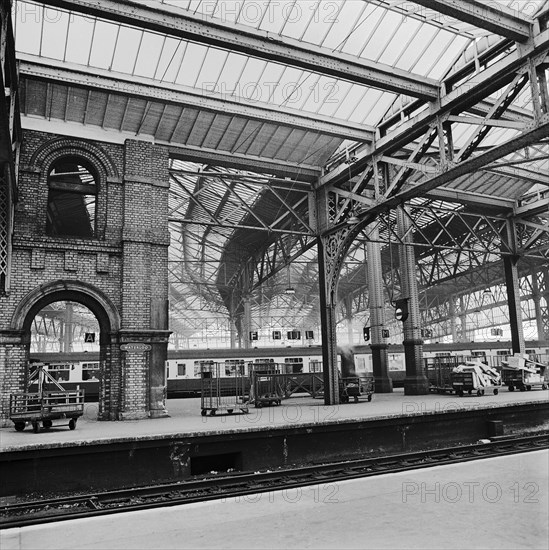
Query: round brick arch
(75,291)
(54,149)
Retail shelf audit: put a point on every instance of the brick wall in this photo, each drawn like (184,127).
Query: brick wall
(125,265)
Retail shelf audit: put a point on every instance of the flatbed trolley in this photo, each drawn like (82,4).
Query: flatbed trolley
(222,389)
(463,382)
(43,407)
(355,387)
(459,376)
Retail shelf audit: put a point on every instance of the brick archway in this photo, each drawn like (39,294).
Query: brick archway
(109,325)
(76,291)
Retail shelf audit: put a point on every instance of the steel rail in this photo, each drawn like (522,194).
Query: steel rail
(241,484)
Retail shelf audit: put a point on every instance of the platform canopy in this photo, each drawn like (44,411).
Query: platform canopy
(439,105)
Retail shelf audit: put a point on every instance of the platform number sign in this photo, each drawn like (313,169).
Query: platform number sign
(89,337)
(401,309)
(254,335)
(385,333)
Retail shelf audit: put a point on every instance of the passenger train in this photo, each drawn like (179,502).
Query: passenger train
(183,367)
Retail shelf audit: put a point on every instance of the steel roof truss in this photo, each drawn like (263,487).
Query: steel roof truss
(419,150)
(243,203)
(497,109)
(497,18)
(193,199)
(461,99)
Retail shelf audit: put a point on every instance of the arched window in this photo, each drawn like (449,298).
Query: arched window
(72,195)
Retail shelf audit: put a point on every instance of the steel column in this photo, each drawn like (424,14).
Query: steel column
(416,382)
(247,322)
(540,281)
(513,300)
(452,312)
(328,325)
(380,359)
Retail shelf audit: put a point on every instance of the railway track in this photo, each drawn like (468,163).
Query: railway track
(245,483)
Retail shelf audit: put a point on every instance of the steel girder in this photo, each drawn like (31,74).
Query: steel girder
(120,85)
(499,20)
(172,21)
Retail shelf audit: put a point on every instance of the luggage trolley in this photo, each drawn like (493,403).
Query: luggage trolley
(458,375)
(474,376)
(267,384)
(439,373)
(523,374)
(223,389)
(43,407)
(356,387)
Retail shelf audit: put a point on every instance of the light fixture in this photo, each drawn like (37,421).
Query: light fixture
(289,289)
(487,292)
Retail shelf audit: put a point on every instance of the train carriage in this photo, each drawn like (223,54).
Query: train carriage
(82,370)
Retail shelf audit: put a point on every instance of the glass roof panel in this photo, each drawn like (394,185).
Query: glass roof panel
(54,33)
(79,39)
(150,49)
(170,60)
(104,40)
(229,75)
(285,87)
(192,62)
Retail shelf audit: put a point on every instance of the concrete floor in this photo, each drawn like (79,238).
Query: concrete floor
(492,503)
(185,417)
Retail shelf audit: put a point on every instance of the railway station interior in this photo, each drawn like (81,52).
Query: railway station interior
(337,195)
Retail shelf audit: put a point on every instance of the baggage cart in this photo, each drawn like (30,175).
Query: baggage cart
(355,387)
(439,373)
(267,384)
(458,375)
(475,376)
(43,407)
(521,373)
(220,392)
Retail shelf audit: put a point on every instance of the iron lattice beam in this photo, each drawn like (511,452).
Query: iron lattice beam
(463,98)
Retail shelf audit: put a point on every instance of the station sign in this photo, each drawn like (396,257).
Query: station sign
(136,347)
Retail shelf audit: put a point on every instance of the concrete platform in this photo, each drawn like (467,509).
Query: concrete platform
(186,419)
(109,455)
